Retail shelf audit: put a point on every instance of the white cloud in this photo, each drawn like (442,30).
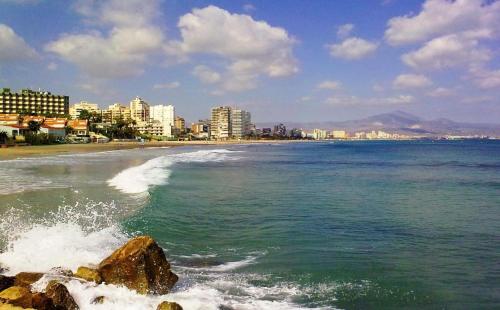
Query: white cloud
(332,85)
(354,100)
(441,92)
(170,85)
(253,48)
(206,74)
(485,78)
(249,7)
(378,88)
(12,46)
(345,30)
(443,17)
(406,81)
(121,52)
(353,48)
(52,66)
(447,52)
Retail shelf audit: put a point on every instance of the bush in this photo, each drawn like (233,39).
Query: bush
(41,138)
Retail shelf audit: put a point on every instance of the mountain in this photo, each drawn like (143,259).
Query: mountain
(403,123)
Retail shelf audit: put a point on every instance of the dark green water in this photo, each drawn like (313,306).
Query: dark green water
(351,225)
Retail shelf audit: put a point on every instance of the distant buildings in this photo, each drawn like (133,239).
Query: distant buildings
(139,110)
(116,112)
(338,134)
(164,114)
(201,129)
(35,102)
(319,134)
(241,123)
(279,131)
(179,125)
(77,108)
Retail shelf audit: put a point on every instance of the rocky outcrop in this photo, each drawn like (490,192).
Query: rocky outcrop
(11,307)
(60,296)
(41,301)
(6,282)
(88,274)
(167,305)
(140,265)
(25,279)
(16,296)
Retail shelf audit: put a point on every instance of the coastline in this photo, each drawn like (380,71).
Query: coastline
(60,149)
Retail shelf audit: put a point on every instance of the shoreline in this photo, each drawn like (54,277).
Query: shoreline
(62,149)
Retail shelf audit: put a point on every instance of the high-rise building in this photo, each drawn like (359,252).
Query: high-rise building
(201,129)
(165,115)
(139,110)
(75,110)
(319,134)
(240,123)
(29,101)
(179,125)
(221,123)
(116,112)
(279,131)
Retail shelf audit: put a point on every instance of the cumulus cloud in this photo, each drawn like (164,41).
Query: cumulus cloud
(406,81)
(170,85)
(354,100)
(12,46)
(447,52)
(443,17)
(353,48)
(52,66)
(345,30)
(485,78)
(332,85)
(252,48)
(120,52)
(206,74)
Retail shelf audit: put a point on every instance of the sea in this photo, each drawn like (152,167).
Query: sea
(326,225)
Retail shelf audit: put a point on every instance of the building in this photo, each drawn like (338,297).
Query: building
(338,134)
(79,127)
(116,112)
(319,134)
(10,119)
(75,110)
(279,131)
(221,125)
(241,123)
(33,102)
(179,125)
(201,129)
(139,110)
(164,114)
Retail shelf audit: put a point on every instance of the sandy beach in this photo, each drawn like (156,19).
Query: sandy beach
(44,150)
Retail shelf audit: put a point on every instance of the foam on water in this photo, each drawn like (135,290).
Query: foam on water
(139,179)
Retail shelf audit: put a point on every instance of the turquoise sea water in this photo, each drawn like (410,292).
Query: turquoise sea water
(349,225)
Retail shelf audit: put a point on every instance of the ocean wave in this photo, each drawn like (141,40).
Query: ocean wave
(138,179)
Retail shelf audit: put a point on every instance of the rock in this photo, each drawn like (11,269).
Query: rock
(16,296)
(6,282)
(25,279)
(41,301)
(139,265)
(88,274)
(62,271)
(167,305)
(60,296)
(11,307)
(98,300)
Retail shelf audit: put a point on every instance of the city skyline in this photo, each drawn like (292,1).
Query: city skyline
(322,61)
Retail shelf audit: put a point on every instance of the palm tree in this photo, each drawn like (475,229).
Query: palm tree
(34,126)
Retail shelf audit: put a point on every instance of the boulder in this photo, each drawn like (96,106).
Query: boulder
(60,296)
(41,301)
(16,296)
(139,265)
(6,282)
(88,274)
(11,307)
(25,279)
(98,300)
(167,305)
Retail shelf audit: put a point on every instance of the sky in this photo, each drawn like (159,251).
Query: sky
(286,60)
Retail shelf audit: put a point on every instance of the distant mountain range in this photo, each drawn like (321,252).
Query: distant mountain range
(403,123)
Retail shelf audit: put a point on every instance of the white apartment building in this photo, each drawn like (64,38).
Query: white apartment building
(75,110)
(319,134)
(165,115)
(240,123)
(139,110)
(221,125)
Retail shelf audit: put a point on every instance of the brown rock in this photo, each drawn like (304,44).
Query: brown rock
(88,274)
(98,300)
(167,305)
(25,279)
(6,282)
(139,265)
(11,307)
(62,271)
(41,301)
(16,296)
(60,296)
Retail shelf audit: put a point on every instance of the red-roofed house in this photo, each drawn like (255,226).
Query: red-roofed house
(80,127)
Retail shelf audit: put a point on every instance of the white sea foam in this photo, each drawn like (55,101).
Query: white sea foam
(139,179)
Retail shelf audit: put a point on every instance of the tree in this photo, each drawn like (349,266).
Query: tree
(34,126)
(3,137)
(85,114)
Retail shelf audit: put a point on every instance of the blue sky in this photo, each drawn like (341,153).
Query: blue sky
(282,60)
